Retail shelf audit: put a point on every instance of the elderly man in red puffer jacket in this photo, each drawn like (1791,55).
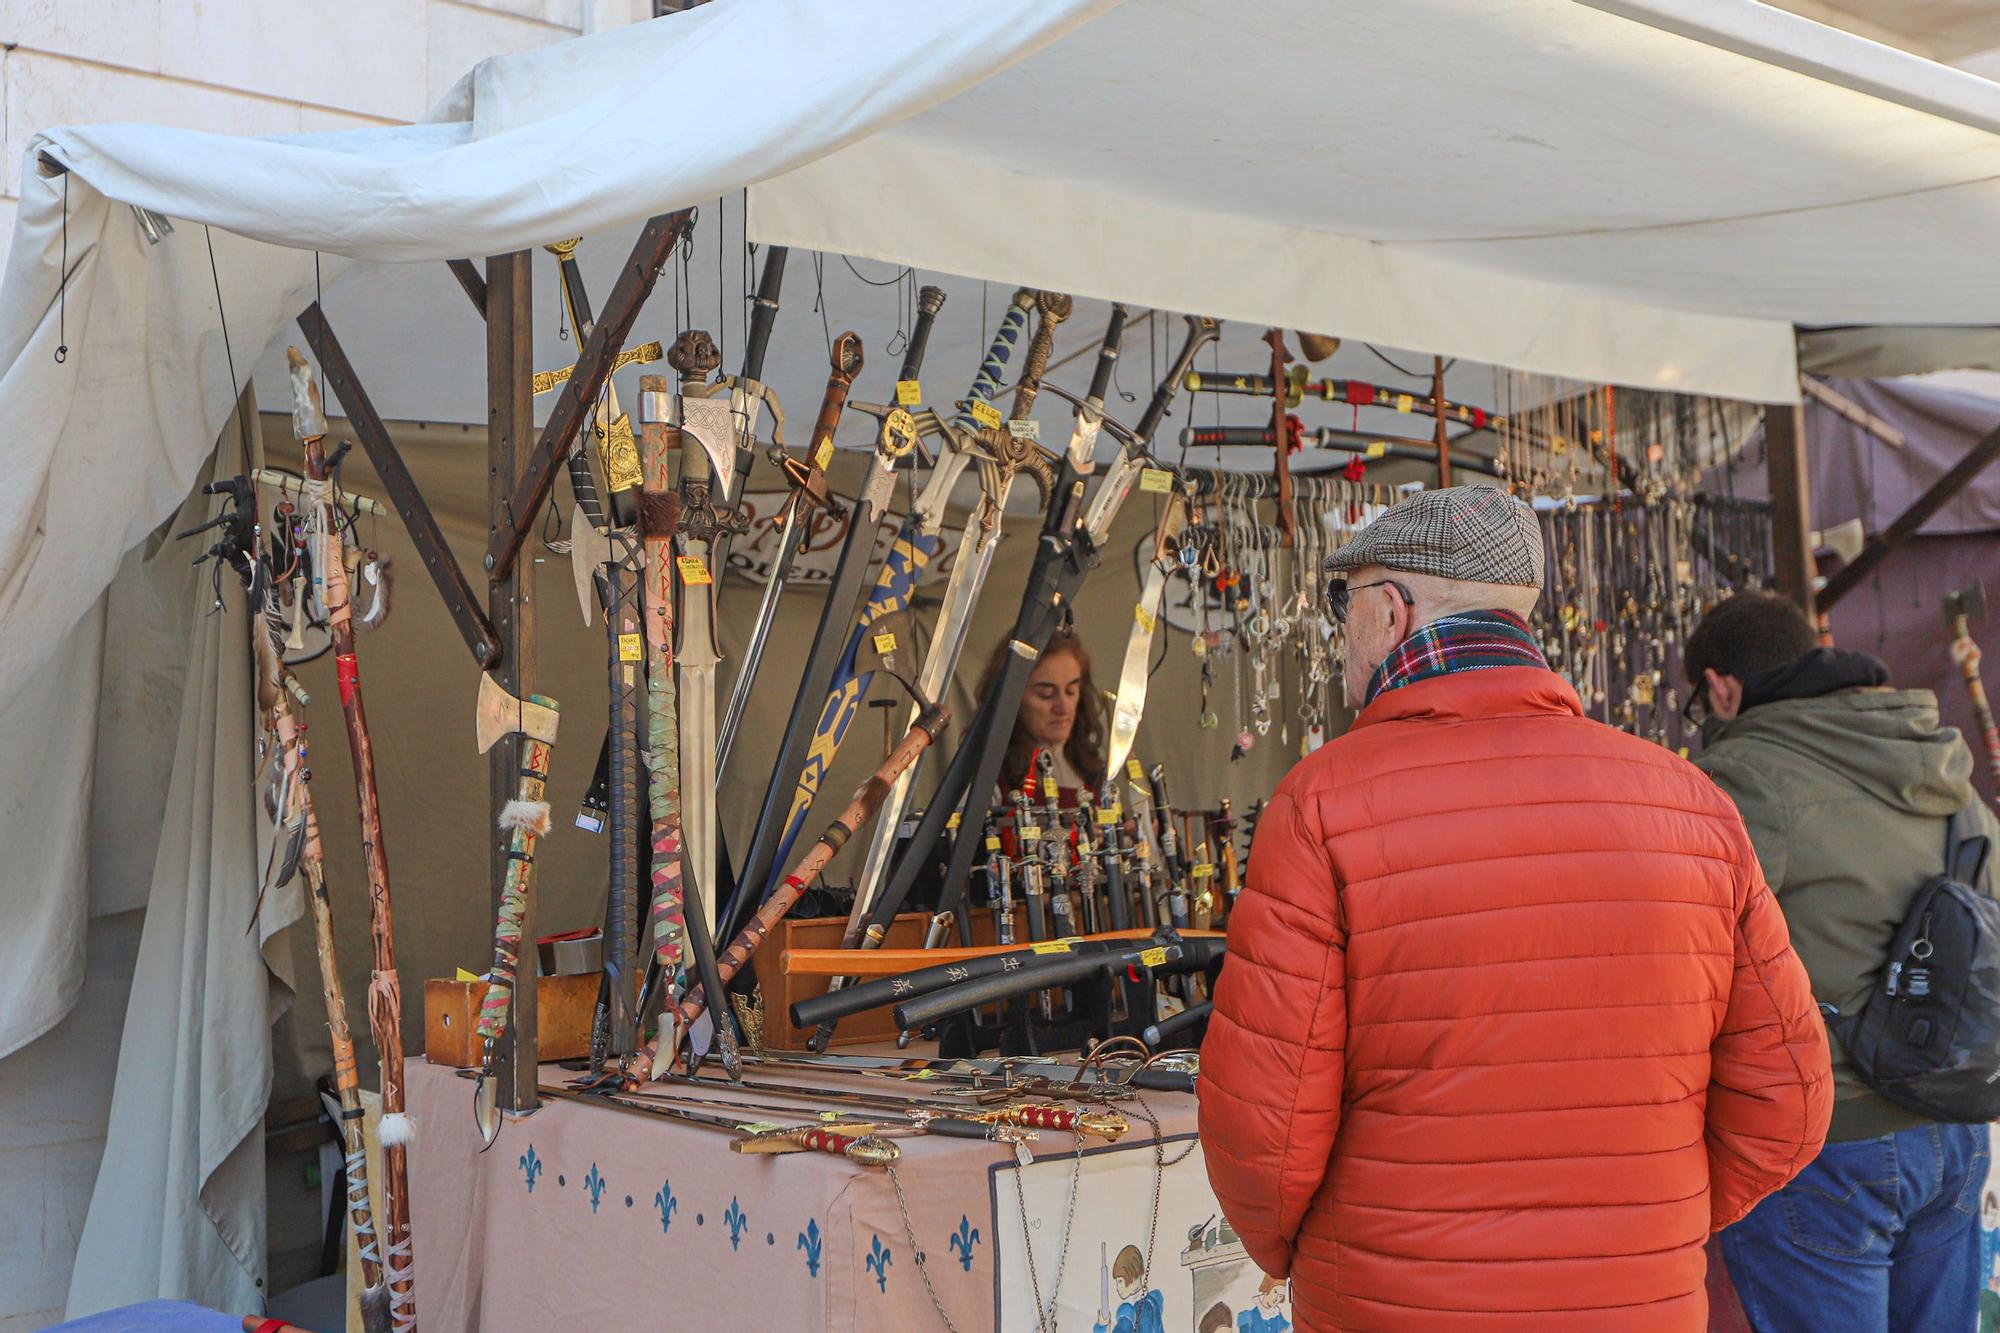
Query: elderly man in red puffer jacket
(1510,1021)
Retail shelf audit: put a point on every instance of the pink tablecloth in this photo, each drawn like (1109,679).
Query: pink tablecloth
(582,1216)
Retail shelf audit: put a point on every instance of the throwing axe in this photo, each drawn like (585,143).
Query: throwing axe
(524,819)
(1960,610)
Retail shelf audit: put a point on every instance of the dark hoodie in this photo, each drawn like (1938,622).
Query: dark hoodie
(1846,796)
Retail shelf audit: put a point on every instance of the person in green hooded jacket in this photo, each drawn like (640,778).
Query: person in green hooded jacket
(1846,786)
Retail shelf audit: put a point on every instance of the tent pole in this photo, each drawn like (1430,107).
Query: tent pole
(1791,504)
(510,606)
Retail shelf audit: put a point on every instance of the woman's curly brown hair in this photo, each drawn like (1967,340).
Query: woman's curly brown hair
(1085,747)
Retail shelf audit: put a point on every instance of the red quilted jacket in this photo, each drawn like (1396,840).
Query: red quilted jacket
(1510,1023)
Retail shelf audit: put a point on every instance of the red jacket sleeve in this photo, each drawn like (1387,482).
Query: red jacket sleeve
(1770,1091)
(1271,1063)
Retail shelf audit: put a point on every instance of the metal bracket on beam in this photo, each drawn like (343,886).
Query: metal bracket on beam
(425,535)
(516,519)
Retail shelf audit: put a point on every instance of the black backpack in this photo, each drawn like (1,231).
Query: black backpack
(1928,1036)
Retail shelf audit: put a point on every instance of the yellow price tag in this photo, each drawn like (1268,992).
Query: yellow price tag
(1049,789)
(1404,402)
(1133,771)
(1144,617)
(992,843)
(693,572)
(823,455)
(985,414)
(885,644)
(1108,816)
(464,975)
(1376,449)
(909,393)
(760,1127)
(1051,946)
(1153,957)
(952,823)
(1031,834)
(1203,870)
(631,648)
(1157,480)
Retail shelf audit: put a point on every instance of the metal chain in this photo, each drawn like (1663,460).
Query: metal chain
(910,1234)
(1045,1314)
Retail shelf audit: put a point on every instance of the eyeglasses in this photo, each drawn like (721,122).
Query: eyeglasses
(1339,596)
(1695,711)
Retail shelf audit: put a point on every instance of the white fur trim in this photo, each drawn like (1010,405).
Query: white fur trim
(399,1130)
(532,816)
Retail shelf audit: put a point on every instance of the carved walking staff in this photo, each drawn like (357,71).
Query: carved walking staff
(295,849)
(526,820)
(385,998)
(1960,609)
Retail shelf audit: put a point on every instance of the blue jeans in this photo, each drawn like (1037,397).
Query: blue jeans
(1875,1234)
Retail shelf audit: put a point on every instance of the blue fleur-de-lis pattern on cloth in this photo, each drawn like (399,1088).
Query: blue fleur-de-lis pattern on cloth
(664,1200)
(878,1262)
(962,1241)
(531,1166)
(594,1182)
(735,1219)
(809,1242)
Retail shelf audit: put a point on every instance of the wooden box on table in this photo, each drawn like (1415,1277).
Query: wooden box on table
(781,991)
(564,1008)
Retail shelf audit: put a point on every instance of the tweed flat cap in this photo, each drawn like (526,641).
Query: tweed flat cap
(1479,534)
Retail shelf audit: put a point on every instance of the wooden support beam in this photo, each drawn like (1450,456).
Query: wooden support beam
(1845,408)
(469,278)
(425,534)
(510,605)
(1906,524)
(1791,504)
(514,519)
(1443,441)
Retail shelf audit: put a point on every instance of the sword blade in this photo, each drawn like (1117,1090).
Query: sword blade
(1132,678)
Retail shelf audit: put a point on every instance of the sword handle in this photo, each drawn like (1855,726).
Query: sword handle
(764,313)
(930,300)
(1107,354)
(987,382)
(1201,332)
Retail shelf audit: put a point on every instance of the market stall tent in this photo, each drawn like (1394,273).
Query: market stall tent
(1652,197)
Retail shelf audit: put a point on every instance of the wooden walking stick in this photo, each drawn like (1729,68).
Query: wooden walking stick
(385,998)
(1960,609)
(295,847)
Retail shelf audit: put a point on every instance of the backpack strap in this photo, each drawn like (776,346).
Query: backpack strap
(1964,858)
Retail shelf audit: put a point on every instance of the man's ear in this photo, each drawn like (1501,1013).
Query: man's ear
(1725,693)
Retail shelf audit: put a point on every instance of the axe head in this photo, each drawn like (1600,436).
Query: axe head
(1968,602)
(308,417)
(713,425)
(1317,346)
(500,714)
(1843,539)
(588,549)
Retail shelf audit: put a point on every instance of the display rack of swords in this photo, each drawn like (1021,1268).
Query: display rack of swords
(1107,905)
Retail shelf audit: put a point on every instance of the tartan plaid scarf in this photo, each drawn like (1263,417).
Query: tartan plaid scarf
(1467,641)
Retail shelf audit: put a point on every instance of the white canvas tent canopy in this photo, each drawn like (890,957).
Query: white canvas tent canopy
(1646,193)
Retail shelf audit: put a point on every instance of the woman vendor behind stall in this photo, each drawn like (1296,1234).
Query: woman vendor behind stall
(1061,712)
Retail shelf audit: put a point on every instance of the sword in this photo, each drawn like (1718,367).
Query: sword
(1133,678)
(829,684)
(808,497)
(707,471)
(975,558)
(856,1142)
(749,395)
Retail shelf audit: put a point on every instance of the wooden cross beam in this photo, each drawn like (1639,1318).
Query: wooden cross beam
(513,520)
(1844,579)
(425,535)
